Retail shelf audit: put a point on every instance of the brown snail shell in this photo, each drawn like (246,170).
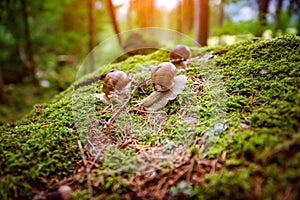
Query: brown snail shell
(115,80)
(163,76)
(180,52)
(63,193)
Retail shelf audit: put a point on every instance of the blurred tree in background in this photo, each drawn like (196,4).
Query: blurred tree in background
(42,42)
(255,17)
(262,16)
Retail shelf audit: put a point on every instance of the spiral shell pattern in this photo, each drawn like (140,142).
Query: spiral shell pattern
(163,76)
(115,80)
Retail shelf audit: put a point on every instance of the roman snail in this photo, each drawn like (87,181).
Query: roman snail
(115,87)
(163,76)
(179,55)
(115,81)
(63,193)
(166,85)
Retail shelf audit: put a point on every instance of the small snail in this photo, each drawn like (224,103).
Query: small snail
(167,86)
(115,80)
(179,55)
(180,52)
(63,193)
(115,87)
(163,76)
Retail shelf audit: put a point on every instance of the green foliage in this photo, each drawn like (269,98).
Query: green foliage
(231,28)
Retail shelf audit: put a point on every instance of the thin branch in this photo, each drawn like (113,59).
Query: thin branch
(87,170)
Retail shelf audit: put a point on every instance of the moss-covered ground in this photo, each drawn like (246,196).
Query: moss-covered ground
(256,157)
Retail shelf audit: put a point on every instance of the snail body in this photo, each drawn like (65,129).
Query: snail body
(163,76)
(167,86)
(153,97)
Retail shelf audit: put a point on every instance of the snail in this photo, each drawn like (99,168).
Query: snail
(179,55)
(166,85)
(115,87)
(63,193)
(115,81)
(163,76)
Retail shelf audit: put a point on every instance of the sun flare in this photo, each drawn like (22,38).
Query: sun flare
(167,5)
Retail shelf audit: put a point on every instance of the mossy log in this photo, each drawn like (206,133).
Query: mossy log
(257,157)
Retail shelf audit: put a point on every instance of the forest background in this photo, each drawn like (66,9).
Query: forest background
(44,42)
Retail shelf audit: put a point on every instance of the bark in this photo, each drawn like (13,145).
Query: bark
(201,21)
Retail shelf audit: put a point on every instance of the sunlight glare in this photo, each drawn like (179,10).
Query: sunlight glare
(120,2)
(169,5)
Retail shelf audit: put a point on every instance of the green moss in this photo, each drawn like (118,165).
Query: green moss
(262,81)
(38,148)
(269,104)
(227,185)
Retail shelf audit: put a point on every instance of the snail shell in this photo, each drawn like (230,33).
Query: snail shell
(180,52)
(163,76)
(115,80)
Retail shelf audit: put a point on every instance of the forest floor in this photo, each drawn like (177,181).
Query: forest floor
(232,134)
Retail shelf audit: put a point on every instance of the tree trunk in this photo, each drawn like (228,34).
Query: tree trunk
(114,20)
(277,17)
(294,8)
(262,16)
(201,21)
(291,7)
(221,18)
(1,86)
(297,10)
(91,32)
(188,16)
(151,11)
(179,17)
(221,14)
(129,15)
(31,66)
(145,13)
